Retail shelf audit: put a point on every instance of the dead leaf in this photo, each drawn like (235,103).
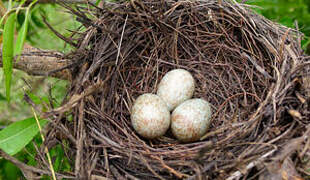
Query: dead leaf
(288,170)
(300,98)
(295,113)
(278,170)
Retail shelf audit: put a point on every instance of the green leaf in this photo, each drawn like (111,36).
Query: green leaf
(17,135)
(7,52)
(34,98)
(57,153)
(22,36)
(11,171)
(2,98)
(97,2)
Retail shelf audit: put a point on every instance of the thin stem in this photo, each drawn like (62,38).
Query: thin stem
(46,150)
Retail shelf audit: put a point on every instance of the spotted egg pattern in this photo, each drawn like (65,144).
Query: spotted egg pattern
(190,120)
(150,116)
(176,86)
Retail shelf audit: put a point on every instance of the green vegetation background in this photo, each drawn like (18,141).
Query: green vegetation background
(286,12)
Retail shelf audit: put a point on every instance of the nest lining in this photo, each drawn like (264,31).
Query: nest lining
(247,67)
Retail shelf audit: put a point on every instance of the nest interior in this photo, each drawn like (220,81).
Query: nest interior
(250,69)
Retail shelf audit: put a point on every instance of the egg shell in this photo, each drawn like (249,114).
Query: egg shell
(191,120)
(150,116)
(175,87)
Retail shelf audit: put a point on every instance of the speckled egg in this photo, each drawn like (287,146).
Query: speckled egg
(176,86)
(191,120)
(150,116)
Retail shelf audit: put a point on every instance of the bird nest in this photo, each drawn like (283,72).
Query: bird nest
(251,70)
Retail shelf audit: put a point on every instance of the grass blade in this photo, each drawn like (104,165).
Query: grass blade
(22,36)
(18,134)
(7,52)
